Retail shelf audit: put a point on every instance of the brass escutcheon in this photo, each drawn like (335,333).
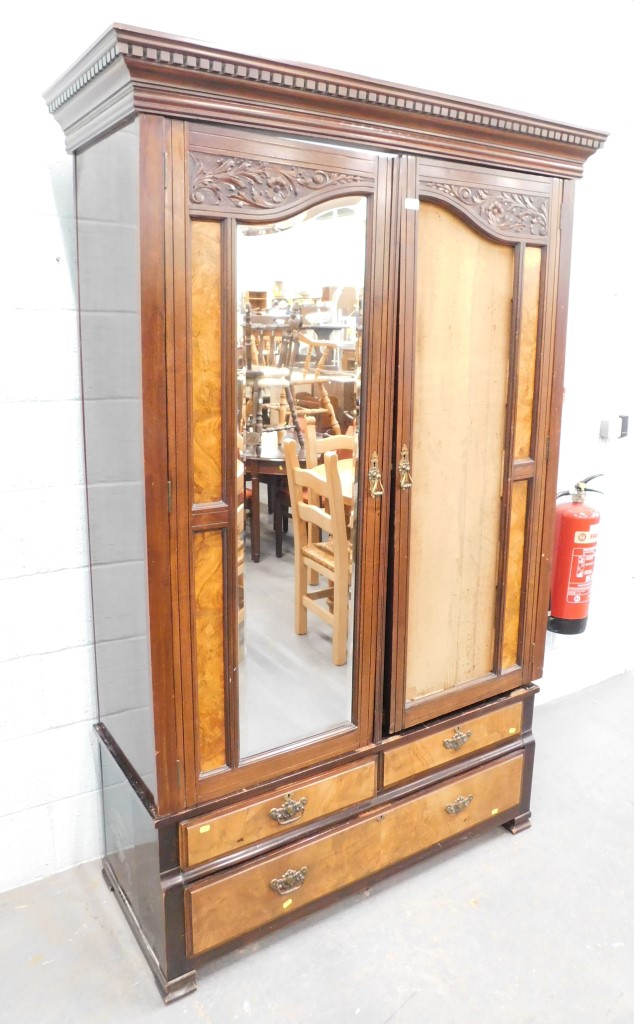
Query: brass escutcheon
(374,477)
(459,804)
(405,470)
(458,739)
(290,810)
(289,882)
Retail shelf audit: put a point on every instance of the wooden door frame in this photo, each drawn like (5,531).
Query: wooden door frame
(376,430)
(468,206)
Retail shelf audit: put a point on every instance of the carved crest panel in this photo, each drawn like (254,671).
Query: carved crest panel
(230,183)
(503,213)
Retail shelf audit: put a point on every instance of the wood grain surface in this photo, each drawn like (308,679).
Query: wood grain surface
(464,292)
(209,625)
(409,759)
(213,835)
(514,573)
(527,352)
(206,363)
(220,910)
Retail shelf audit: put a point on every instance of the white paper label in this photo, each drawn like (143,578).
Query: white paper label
(588,536)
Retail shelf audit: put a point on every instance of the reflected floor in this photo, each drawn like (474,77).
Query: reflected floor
(289,687)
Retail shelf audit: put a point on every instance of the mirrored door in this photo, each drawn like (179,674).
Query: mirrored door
(289,374)
(299,313)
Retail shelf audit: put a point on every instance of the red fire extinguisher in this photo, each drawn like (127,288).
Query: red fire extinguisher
(576,529)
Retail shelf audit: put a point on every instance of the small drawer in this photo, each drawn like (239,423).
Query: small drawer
(445,745)
(239,902)
(212,836)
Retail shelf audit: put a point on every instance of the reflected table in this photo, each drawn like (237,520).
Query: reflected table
(269,467)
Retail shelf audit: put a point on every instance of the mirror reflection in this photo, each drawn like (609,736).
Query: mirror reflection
(300,325)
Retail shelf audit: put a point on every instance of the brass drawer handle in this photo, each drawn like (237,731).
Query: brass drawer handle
(405,470)
(459,804)
(289,882)
(374,477)
(458,739)
(290,810)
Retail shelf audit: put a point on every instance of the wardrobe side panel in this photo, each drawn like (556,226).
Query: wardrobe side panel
(107,184)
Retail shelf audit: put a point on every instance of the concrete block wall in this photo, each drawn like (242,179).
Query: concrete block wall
(560,61)
(49,808)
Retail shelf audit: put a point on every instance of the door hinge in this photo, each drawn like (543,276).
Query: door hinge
(179,775)
(164,170)
(547,447)
(169,497)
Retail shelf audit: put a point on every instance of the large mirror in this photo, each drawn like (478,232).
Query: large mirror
(299,341)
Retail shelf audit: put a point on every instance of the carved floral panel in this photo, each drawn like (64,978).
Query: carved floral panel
(505,213)
(234,183)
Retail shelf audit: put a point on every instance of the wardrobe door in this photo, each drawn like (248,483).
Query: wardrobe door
(272,233)
(478,272)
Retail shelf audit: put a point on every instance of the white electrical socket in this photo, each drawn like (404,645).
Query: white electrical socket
(615,427)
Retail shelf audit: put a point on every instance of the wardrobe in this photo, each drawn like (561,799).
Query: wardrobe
(247,779)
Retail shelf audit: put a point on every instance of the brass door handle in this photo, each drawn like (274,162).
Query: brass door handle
(459,805)
(405,470)
(458,739)
(290,810)
(289,882)
(374,477)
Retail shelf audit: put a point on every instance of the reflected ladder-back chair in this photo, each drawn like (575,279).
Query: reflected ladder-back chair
(313,372)
(343,444)
(269,350)
(329,558)
(316,447)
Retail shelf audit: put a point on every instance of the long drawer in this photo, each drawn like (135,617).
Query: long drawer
(445,745)
(211,836)
(235,904)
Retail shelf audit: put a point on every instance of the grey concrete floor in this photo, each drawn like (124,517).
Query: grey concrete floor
(537,927)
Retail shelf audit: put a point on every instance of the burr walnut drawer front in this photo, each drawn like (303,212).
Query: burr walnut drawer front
(214,835)
(235,904)
(445,745)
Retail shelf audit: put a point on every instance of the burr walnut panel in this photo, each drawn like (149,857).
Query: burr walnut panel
(213,835)
(444,746)
(514,573)
(206,361)
(209,646)
(527,352)
(222,909)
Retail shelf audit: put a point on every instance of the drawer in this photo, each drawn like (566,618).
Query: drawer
(208,837)
(220,910)
(445,745)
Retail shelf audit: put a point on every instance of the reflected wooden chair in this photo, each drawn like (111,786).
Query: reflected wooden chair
(330,558)
(311,371)
(316,447)
(269,350)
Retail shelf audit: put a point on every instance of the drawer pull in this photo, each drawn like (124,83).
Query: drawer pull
(459,804)
(290,810)
(458,739)
(289,882)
